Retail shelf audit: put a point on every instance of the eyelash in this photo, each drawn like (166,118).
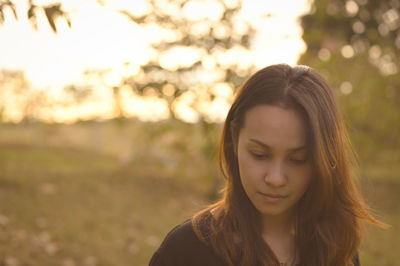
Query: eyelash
(298,161)
(260,156)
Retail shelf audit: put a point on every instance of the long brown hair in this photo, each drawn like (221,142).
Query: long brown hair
(330,214)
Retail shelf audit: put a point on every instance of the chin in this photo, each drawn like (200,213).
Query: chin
(271,211)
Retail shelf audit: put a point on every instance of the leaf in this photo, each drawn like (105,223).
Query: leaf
(31,11)
(32,16)
(50,15)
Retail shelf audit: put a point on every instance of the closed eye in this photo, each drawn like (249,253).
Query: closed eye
(259,156)
(298,161)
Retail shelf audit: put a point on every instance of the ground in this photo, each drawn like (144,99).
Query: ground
(74,195)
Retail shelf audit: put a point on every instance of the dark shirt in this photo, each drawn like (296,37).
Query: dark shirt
(181,247)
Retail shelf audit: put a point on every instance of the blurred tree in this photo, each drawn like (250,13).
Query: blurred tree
(200,57)
(78,93)
(200,44)
(200,53)
(18,101)
(356,45)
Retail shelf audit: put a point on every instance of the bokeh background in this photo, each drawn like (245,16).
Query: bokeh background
(110,114)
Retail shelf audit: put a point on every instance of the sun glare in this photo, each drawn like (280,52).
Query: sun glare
(101,38)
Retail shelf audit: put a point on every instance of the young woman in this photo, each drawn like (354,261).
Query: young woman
(289,198)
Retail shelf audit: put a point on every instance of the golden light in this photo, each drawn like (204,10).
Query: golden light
(101,38)
(179,56)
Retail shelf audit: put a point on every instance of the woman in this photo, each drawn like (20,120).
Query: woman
(289,198)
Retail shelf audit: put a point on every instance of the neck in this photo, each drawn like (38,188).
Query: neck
(277,224)
(278,233)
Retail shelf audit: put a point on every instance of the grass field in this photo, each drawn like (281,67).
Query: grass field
(99,194)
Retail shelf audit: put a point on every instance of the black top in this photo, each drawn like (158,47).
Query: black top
(181,247)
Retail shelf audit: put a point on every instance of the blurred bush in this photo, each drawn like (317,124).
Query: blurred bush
(356,46)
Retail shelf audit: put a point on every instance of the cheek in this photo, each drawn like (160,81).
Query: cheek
(302,179)
(248,167)
(248,170)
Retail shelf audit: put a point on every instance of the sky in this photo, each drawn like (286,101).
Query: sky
(102,38)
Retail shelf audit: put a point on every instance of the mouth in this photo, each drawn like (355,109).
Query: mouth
(272,197)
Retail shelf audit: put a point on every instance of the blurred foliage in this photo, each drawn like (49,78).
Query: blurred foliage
(214,37)
(211,34)
(52,12)
(15,91)
(20,101)
(356,46)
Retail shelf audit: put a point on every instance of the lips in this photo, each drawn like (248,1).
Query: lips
(272,197)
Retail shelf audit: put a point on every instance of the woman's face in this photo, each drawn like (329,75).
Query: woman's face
(274,162)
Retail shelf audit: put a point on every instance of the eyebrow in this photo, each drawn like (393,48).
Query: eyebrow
(269,147)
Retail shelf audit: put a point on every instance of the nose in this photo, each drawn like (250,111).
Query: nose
(275,175)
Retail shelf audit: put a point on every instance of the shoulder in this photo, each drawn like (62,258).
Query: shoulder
(181,246)
(181,235)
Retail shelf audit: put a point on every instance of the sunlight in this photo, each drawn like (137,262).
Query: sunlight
(184,109)
(201,10)
(137,7)
(147,108)
(103,39)
(179,56)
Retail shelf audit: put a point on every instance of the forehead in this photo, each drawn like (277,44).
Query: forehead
(275,126)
